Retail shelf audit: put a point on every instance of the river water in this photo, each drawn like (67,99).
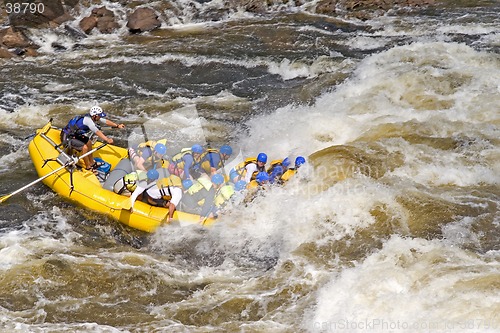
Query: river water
(391,226)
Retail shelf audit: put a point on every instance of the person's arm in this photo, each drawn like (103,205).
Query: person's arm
(146,153)
(138,190)
(174,202)
(188,163)
(103,137)
(92,126)
(171,210)
(136,159)
(139,163)
(215,162)
(112,124)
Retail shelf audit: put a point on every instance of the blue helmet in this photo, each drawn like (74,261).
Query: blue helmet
(153,174)
(187,183)
(225,149)
(161,149)
(299,161)
(240,185)
(262,177)
(217,179)
(262,158)
(286,162)
(197,149)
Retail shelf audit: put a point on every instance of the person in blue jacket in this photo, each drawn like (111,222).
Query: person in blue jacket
(76,134)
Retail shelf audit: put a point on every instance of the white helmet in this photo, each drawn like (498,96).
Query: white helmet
(97,111)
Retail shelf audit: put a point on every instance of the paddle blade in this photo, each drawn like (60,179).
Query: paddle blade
(5,197)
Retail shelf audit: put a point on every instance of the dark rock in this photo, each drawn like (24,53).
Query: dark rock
(58,47)
(19,52)
(143,19)
(74,32)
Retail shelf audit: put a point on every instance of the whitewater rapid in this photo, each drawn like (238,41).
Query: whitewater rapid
(391,226)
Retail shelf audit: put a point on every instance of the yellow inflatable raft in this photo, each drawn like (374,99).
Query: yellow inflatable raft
(82,187)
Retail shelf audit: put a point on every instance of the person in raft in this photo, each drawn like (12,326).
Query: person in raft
(166,192)
(187,163)
(149,155)
(248,169)
(75,134)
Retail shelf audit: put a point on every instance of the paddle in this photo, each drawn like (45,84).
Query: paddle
(71,162)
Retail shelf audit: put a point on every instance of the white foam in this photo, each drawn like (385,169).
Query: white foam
(447,168)
(385,89)
(288,69)
(26,116)
(12,252)
(46,39)
(410,285)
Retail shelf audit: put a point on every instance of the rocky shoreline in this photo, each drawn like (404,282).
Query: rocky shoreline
(141,17)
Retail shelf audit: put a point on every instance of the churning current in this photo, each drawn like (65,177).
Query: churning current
(391,226)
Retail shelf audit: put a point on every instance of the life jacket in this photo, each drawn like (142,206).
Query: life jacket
(164,141)
(205,161)
(151,144)
(164,185)
(151,160)
(200,184)
(241,167)
(178,159)
(252,185)
(223,195)
(130,180)
(75,126)
(288,174)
